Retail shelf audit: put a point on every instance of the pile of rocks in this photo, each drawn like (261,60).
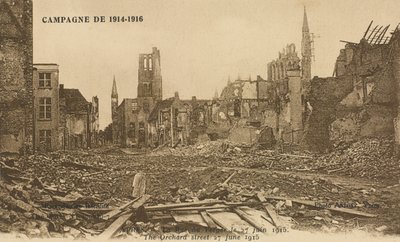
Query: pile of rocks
(31,208)
(370,157)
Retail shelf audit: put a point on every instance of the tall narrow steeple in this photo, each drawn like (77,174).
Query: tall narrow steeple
(114,106)
(305,21)
(114,92)
(306,50)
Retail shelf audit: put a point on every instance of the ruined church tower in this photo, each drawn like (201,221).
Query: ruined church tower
(114,106)
(306,51)
(149,77)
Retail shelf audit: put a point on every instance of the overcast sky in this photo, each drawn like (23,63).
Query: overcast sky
(202,42)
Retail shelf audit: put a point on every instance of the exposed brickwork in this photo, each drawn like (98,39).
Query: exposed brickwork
(16,93)
(325,95)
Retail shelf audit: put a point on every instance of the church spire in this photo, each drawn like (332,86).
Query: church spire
(305,21)
(306,51)
(114,92)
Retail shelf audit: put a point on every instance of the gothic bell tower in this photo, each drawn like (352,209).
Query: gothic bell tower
(149,76)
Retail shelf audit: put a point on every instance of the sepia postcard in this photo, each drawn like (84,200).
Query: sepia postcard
(200,120)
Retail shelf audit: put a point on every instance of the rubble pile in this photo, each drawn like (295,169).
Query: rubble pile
(370,158)
(31,208)
(67,194)
(71,172)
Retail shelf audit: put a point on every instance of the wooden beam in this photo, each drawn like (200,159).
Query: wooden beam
(270,211)
(96,210)
(335,209)
(379,36)
(200,208)
(134,205)
(229,178)
(378,41)
(386,39)
(208,220)
(181,205)
(114,227)
(369,26)
(117,211)
(217,222)
(369,36)
(247,218)
(377,32)
(347,42)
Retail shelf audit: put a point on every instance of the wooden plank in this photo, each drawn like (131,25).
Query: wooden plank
(369,26)
(209,221)
(134,205)
(203,213)
(216,221)
(261,217)
(114,227)
(190,218)
(231,221)
(247,218)
(228,179)
(369,36)
(270,210)
(96,210)
(140,202)
(312,204)
(117,211)
(200,208)
(181,205)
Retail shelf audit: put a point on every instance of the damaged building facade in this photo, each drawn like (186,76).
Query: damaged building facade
(361,100)
(276,107)
(286,118)
(46,111)
(291,76)
(169,122)
(148,120)
(33,111)
(63,119)
(130,118)
(79,120)
(16,90)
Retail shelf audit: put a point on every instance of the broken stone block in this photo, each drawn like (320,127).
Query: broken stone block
(318,218)
(334,221)
(139,185)
(381,228)
(275,190)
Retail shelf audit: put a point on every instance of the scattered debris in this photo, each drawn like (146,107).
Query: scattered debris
(216,185)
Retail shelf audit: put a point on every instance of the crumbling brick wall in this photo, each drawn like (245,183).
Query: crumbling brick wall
(367,116)
(16,92)
(395,64)
(360,102)
(324,96)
